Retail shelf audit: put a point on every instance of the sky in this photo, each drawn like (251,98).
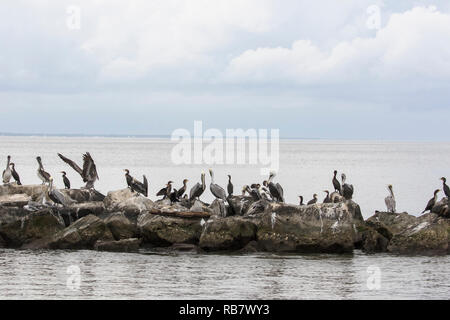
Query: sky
(326,69)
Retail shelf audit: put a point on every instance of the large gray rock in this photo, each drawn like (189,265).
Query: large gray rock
(239,205)
(231,233)
(82,234)
(120,226)
(428,234)
(124,245)
(33,191)
(389,224)
(15,200)
(126,201)
(315,228)
(83,195)
(29,229)
(163,230)
(441,208)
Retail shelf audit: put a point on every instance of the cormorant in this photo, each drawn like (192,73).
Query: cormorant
(89,171)
(327,198)
(215,189)
(41,173)
(7,174)
(432,201)
(445,187)
(15,174)
(165,192)
(230,186)
(198,189)
(65,180)
(313,201)
(390,200)
(336,184)
(301,201)
(135,185)
(347,189)
(182,190)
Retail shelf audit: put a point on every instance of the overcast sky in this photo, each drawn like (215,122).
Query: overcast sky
(313,69)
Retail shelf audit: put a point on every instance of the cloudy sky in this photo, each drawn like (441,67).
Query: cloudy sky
(348,69)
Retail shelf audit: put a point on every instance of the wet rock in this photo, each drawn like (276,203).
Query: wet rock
(231,233)
(2,242)
(389,224)
(428,234)
(185,247)
(164,231)
(123,245)
(82,234)
(126,201)
(219,208)
(314,228)
(20,228)
(120,226)
(441,208)
(251,247)
(15,200)
(369,239)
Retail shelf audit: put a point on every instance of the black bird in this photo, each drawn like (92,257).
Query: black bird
(254,193)
(336,184)
(65,180)
(347,189)
(301,201)
(182,190)
(327,198)
(165,192)
(89,171)
(41,173)
(198,189)
(173,196)
(313,201)
(432,201)
(15,174)
(230,186)
(135,185)
(445,187)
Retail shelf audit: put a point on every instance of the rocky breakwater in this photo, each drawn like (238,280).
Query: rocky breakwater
(126,221)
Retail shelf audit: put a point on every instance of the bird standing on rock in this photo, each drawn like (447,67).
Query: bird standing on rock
(135,185)
(390,200)
(432,201)
(445,187)
(41,173)
(7,174)
(15,174)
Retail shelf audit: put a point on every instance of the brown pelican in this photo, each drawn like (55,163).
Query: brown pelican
(336,184)
(198,189)
(390,200)
(89,171)
(244,190)
(254,193)
(215,189)
(347,189)
(55,195)
(15,174)
(230,186)
(327,198)
(445,187)
(182,190)
(135,185)
(41,173)
(7,174)
(65,180)
(301,201)
(165,192)
(276,191)
(313,201)
(432,201)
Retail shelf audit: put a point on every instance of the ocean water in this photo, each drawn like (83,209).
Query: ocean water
(306,167)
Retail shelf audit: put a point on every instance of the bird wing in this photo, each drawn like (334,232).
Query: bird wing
(218,191)
(72,164)
(46,175)
(194,189)
(89,169)
(162,192)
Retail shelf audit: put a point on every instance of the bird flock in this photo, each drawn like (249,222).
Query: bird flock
(267,191)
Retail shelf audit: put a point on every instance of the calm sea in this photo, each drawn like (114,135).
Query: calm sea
(306,167)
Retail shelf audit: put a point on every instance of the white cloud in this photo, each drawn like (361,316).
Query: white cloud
(412,46)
